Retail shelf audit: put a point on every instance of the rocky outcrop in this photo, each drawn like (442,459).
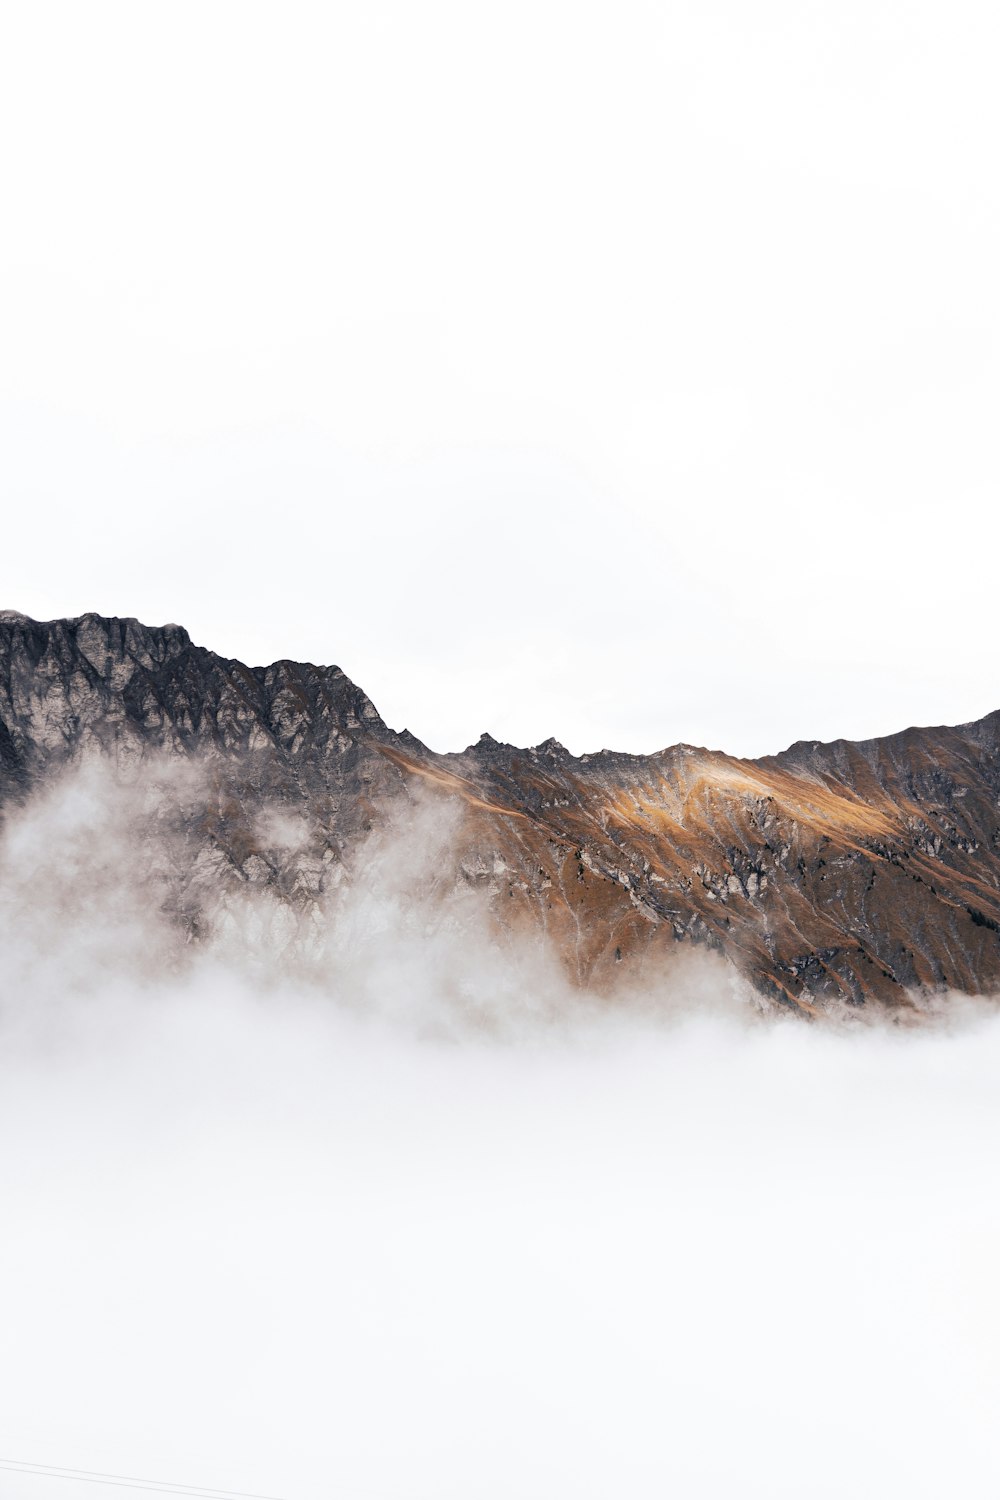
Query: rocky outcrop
(858,873)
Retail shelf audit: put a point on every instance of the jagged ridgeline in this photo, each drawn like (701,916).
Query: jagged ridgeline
(841,872)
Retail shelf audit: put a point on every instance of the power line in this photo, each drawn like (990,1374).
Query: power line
(127,1481)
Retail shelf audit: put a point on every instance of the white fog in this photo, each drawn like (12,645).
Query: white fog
(310,1230)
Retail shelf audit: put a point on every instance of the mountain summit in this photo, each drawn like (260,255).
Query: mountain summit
(843,872)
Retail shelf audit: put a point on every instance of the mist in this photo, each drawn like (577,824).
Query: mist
(368,1200)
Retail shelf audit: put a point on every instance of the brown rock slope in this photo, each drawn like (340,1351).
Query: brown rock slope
(843,871)
(851,872)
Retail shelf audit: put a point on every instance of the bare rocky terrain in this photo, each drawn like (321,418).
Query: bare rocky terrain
(857,873)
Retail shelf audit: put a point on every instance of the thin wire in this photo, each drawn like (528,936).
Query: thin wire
(127,1481)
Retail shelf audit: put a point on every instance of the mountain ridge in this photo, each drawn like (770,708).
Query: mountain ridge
(855,872)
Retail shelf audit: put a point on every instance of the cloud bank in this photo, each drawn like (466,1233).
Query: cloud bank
(375,1205)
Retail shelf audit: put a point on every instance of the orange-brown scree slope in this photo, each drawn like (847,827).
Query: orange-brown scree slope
(851,872)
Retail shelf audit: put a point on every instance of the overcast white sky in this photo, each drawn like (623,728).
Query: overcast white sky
(624,372)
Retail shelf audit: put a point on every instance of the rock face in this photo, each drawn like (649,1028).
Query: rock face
(845,872)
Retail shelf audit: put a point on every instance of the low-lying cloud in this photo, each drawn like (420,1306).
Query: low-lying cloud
(372,1203)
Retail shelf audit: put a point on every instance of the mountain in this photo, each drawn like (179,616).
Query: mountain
(843,872)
